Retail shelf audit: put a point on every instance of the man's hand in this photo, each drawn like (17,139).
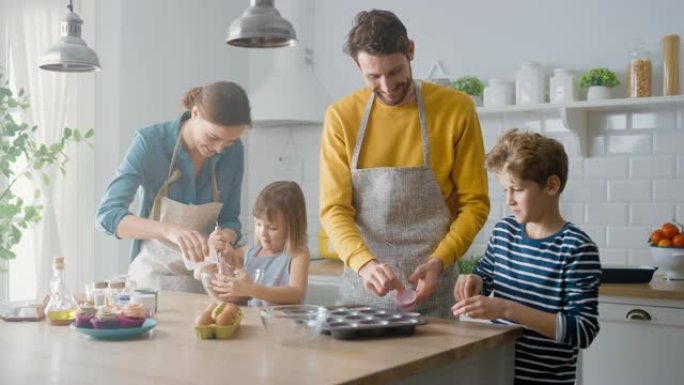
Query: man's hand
(467,286)
(425,278)
(379,278)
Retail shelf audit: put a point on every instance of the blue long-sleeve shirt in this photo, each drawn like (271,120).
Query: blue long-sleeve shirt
(559,274)
(146,165)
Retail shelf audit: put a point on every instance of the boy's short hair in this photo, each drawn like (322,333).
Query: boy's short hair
(285,197)
(377,32)
(529,156)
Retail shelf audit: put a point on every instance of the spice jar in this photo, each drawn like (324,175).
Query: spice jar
(639,73)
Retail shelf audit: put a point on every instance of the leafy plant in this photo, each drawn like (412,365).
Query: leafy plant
(467,265)
(469,84)
(599,77)
(22,157)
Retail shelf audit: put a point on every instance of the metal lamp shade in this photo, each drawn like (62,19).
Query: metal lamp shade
(70,54)
(261,26)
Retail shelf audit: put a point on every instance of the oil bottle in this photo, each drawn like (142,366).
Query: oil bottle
(61,310)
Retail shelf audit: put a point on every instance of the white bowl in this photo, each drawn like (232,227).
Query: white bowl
(670,260)
(293,323)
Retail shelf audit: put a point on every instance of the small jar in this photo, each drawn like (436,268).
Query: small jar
(562,86)
(115,287)
(639,73)
(529,84)
(99,294)
(498,93)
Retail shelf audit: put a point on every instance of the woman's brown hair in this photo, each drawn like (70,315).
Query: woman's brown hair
(377,32)
(285,197)
(529,156)
(222,103)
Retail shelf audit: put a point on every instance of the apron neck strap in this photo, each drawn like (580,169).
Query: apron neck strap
(421,117)
(174,175)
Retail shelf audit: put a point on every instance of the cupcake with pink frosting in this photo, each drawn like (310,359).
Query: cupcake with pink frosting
(132,315)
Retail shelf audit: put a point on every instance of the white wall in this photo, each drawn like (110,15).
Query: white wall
(153,50)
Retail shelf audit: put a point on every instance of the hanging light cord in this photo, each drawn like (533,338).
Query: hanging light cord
(71,6)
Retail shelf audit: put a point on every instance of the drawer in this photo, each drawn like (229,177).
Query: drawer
(654,315)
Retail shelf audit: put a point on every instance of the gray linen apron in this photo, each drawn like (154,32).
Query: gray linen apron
(402,217)
(159,264)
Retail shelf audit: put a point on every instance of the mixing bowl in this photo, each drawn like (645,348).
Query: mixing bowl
(293,323)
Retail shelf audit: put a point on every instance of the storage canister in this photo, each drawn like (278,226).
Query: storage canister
(562,86)
(529,84)
(670,45)
(498,93)
(639,73)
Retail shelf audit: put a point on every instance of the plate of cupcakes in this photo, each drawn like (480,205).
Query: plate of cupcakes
(111,324)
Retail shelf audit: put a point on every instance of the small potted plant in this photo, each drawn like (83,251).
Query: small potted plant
(598,82)
(469,85)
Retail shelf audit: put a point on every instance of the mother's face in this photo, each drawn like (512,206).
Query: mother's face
(210,138)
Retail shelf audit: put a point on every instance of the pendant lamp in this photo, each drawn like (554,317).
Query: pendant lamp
(261,26)
(70,53)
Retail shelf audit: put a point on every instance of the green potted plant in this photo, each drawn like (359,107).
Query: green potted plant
(469,85)
(467,265)
(22,157)
(598,82)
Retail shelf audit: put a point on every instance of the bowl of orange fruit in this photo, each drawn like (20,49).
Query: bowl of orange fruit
(667,249)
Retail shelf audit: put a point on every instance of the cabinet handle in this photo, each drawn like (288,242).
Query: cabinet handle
(638,315)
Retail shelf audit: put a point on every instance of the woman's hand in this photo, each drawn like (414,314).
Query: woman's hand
(226,286)
(480,306)
(191,243)
(222,239)
(379,278)
(467,286)
(425,278)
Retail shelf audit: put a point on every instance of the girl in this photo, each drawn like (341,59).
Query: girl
(279,260)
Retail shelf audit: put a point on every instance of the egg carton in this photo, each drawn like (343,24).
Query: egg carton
(370,322)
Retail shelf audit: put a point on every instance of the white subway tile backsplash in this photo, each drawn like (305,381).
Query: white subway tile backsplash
(553,122)
(584,190)
(668,143)
(596,167)
(575,167)
(572,212)
(613,256)
(624,236)
(491,124)
(614,121)
(628,144)
(640,256)
(571,144)
(526,121)
(680,166)
(651,214)
(597,145)
(652,167)
(607,213)
(654,118)
(596,233)
(629,190)
(668,190)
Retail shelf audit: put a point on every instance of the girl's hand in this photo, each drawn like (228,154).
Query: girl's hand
(222,239)
(239,285)
(482,307)
(191,243)
(467,286)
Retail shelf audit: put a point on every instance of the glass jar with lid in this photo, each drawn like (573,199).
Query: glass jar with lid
(529,84)
(639,73)
(498,93)
(562,86)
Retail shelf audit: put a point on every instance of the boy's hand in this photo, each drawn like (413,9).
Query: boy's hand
(425,278)
(482,307)
(467,285)
(379,278)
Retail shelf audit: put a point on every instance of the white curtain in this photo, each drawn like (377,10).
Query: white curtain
(57,100)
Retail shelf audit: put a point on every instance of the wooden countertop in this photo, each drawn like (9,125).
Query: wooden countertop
(658,288)
(39,353)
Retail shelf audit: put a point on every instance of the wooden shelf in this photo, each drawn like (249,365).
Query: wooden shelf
(574,114)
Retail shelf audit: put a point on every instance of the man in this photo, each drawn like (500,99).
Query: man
(403,184)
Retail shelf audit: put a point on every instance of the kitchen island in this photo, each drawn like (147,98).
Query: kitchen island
(441,351)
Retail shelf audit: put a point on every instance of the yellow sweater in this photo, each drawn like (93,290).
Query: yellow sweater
(393,139)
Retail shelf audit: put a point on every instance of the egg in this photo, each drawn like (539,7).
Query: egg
(229,315)
(204,319)
(217,310)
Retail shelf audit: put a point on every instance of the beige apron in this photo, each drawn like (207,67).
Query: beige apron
(401,214)
(159,264)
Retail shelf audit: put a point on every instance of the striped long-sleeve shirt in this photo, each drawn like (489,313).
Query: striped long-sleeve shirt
(559,274)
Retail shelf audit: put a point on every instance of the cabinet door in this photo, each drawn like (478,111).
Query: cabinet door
(636,345)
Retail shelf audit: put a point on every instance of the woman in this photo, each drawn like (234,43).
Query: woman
(190,171)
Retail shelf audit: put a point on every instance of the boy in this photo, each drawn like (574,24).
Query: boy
(538,271)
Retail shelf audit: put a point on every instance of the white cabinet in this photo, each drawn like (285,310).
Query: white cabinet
(322,290)
(640,342)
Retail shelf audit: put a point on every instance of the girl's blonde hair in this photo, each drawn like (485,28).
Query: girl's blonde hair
(529,156)
(285,197)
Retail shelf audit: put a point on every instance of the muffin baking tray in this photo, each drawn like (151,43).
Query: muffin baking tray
(369,322)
